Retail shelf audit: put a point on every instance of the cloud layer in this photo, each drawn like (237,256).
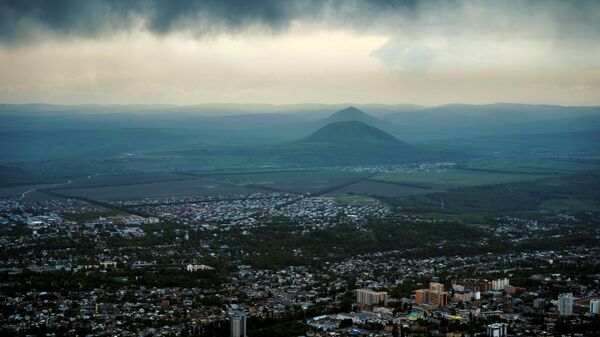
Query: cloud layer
(21,19)
(296,51)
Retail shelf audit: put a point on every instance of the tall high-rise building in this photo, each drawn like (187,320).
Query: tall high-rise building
(595,306)
(499,284)
(497,330)
(539,304)
(565,304)
(434,296)
(370,297)
(237,325)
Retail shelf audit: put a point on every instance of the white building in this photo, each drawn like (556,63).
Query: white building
(237,325)
(497,330)
(499,284)
(595,306)
(565,304)
(108,264)
(198,267)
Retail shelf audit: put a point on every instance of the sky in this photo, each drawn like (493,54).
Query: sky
(309,51)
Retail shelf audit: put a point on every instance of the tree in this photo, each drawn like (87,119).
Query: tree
(395,331)
(345,323)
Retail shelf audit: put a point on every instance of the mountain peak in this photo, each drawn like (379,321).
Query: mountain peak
(350,114)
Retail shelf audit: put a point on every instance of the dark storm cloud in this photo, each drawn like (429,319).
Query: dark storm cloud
(22,19)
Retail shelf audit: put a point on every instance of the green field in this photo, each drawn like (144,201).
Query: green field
(571,204)
(542,166)
(298,181)
(458,178)
(288,175)
(151,162)
(355,200)
(381,189)
(192,187)
(577,192)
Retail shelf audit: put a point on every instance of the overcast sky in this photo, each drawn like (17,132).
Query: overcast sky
(189,52)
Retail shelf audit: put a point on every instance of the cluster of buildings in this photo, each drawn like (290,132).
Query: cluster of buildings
(123,275)
(376,307)
(518,229)
(324,212)
(434,296)
(369,297)
(62,206)
(398,168)
(236,211)
(247,211)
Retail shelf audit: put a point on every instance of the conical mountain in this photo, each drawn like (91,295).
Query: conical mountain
(349,143)
(353,133)
(353,114)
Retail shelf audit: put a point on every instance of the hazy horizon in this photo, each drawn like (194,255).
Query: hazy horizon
(299,104)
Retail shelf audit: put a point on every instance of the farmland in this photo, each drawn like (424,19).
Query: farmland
(17,190)
(343,185)
(531,166)
(191,187)
(569,192)
(377,188)
(124,179)
(355,200)
(576,204)
(458,178)
(296,181)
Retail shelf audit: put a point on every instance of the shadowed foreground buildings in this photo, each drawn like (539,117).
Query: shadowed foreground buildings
(160,282)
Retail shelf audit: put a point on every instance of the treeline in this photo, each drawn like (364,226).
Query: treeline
(282,243)
(502,198)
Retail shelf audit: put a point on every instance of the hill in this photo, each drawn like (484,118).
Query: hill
(352,133)
(351,143)
(15,175)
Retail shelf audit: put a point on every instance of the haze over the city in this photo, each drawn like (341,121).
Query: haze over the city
(282,52)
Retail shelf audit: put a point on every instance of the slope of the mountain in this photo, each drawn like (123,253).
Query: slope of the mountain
(353,114)
(16,175)
(353,133)
(354,143)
